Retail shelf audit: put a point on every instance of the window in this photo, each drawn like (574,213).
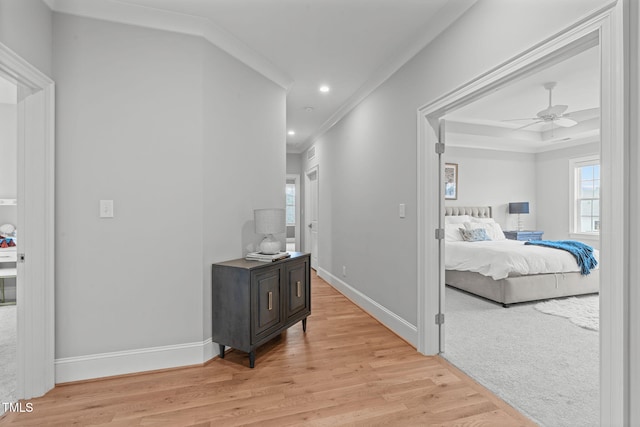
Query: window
(586,195)
(290,192)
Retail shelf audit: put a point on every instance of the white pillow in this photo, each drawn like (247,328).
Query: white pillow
(452,233)
(494,231)
(448,219)
(483,220)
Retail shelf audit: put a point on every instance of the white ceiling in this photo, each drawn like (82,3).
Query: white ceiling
(353,46)
(481,124)
(349,45)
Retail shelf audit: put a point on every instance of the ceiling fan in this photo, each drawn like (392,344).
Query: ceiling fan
(555,114)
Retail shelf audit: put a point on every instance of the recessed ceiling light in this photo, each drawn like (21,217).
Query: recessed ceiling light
(292,132)
(308,109)
(324,88)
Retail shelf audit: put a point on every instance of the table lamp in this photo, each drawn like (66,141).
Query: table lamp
(269,222)
(519,208)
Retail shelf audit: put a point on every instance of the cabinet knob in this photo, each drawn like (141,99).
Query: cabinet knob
(298,291)
(270,300)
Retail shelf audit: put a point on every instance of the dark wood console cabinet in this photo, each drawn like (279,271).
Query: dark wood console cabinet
(255,301)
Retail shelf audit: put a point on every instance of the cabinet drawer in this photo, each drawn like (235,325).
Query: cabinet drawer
(297,300)
(266,301)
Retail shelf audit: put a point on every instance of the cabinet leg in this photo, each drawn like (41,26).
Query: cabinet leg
(252,359)
(304,325)
(221,351)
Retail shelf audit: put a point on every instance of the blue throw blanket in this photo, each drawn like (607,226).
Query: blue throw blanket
(583,253)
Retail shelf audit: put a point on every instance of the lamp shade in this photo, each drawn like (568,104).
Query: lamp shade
(519,208)
(269,221)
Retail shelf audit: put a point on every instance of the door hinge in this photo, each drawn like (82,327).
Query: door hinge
(439,147)
(21,257)
(440,319)
(439,233)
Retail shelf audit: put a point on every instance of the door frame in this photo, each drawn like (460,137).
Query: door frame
(36,178)
(607,23)
(307,203)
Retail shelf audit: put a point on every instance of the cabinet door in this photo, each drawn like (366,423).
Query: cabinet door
(296,288)
(266,301)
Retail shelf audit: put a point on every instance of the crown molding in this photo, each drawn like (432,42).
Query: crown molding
(124,13)
(448,14)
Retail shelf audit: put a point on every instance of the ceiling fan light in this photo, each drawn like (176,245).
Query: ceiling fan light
(565,122)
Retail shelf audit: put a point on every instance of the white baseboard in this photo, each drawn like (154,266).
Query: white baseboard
(132,361)
(102,365)
(382,314)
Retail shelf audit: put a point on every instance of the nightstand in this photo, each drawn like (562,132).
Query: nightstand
(524,235)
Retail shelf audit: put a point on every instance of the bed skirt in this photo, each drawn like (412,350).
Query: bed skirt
(524,288)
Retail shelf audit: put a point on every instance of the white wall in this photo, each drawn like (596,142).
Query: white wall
(8,167)
(26,27)
(553,190)
(157,122)
(368,160)
(495,178)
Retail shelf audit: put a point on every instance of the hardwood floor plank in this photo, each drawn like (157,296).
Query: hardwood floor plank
(347,369)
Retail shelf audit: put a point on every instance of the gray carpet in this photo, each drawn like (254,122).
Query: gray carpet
(7,355)
(543,365)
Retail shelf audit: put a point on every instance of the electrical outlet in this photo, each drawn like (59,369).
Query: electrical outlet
(401,210)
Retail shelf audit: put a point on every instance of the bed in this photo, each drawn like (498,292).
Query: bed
(507,271)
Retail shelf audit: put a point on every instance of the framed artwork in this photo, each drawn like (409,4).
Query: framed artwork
(451,181)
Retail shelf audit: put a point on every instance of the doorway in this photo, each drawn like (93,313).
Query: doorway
(35,220)
(515,156)
(311,212)
(8,239)
(292,205)
(605,25)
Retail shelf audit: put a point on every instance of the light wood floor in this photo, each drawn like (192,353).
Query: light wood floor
(346,370)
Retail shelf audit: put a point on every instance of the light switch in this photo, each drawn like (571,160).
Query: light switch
(106,208)
(401,210)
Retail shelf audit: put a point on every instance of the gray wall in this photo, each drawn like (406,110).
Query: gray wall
(26,27)
(553,181)
(155,121)
(368,160)
(129,129)
(489,177)
(495,178)
(294,164)
(243,162)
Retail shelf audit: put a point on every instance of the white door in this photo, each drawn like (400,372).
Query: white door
(311,219)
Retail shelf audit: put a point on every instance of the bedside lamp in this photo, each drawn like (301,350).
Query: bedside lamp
(519,208)
(269,222)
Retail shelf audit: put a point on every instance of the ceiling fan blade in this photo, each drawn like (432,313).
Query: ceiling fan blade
(529,124)
(582,115)
(565,122)
(519,120)
(555,110)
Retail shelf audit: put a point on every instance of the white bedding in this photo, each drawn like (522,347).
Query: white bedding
(504,258)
